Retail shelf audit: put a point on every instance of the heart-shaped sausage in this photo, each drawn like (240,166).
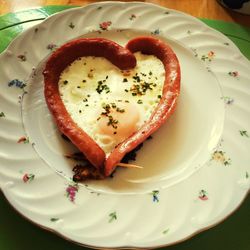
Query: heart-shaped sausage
(124,59)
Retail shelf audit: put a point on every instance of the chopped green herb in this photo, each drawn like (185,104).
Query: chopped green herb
(140,89)
(125,79)
(113,105)
(139,101)
(90,75)
(120,110)
(78,87)
(102,87)
(159,96)
(150,73)
(104,105)
(65,82)
(112,122)
(83,80)
(137,78)
(85,100)
(126,90)
(2,114)
(107,108)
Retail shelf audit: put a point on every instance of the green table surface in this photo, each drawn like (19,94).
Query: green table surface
(16,233)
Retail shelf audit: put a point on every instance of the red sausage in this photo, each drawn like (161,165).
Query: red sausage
(57,62)
(167,104)
(124,59)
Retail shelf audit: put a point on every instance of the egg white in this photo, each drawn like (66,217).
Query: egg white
(78,87)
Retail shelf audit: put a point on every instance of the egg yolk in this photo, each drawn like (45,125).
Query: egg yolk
(118,120)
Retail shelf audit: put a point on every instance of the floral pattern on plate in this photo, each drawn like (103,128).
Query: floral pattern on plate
(28,178)
(103,209)
(220,156)
(71,191)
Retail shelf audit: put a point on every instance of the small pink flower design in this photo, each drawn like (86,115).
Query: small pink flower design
(23,139)
(156,32)
(132,17)
(211,54)
(28,177)
(51,46)
(209,57)
(233,73)
(105,25)
(71,191)
(203,195)
(22,57)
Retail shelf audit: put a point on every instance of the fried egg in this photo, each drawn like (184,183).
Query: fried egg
(110,104)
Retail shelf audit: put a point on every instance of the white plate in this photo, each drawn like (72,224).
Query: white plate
(201,150)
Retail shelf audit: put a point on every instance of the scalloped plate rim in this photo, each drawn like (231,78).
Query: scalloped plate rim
(53,230)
